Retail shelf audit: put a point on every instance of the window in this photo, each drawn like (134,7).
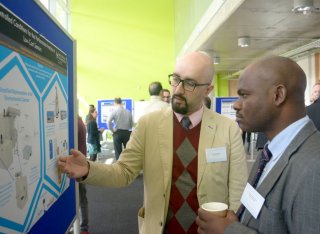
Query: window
(60,9)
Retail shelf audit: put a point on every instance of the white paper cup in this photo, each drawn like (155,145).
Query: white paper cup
(218,208)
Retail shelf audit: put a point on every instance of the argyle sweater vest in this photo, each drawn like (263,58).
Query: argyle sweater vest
(183,204)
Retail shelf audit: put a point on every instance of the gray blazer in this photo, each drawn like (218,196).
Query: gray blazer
(291,190)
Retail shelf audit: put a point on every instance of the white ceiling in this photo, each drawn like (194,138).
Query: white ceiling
(272,26)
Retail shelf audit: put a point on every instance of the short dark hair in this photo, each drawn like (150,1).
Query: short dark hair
(155,88)
(165,90)
(118,100)
(91,107)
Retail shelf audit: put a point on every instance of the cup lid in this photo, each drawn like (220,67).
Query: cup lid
(214,206)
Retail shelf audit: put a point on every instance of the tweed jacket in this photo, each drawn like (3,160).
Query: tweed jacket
(291,190)
(150,149)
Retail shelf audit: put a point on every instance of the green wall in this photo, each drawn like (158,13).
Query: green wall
(122,46)
(187,14)
(221,88)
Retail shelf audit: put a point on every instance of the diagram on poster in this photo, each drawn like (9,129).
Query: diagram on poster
(33,125)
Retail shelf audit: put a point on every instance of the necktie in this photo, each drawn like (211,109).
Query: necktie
(265,157)
(185,122)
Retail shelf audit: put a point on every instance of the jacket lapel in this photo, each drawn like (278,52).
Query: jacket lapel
(278,168)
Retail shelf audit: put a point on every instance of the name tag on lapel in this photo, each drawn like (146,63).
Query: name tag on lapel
(252,200)
(218,154)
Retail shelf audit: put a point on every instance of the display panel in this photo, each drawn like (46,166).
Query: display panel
(36,121)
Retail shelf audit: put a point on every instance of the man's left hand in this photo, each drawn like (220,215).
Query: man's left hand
(209,223)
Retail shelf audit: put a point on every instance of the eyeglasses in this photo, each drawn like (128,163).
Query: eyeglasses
(188,85)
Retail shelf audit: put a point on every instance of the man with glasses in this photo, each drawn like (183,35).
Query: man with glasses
(189,155)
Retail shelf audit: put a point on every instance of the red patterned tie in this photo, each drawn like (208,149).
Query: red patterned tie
(265,157)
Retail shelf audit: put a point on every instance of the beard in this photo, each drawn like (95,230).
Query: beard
(177,107)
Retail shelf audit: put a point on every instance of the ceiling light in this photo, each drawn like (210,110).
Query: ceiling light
(213,55)
(304,6)
(243,41)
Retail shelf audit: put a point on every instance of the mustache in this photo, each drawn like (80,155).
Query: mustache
(178,96)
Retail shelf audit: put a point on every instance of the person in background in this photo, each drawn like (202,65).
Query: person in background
(91,108)
(120,124)
(246,139)
(165,95)
(313,110)
(284,196)
(207,102)
(155,102)
(93,138)
(315,93)
(84,219)
(189,155)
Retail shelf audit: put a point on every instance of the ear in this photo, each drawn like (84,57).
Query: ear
(209,89)
(280,94)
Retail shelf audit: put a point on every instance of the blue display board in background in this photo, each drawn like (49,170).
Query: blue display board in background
(106,107)
(37,88)
(224,106)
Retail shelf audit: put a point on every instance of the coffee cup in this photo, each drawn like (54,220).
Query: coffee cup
(218,208)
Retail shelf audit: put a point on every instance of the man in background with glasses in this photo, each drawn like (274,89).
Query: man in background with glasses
(189,155)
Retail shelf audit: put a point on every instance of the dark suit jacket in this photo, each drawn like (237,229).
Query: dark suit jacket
(313,111)
(291,190)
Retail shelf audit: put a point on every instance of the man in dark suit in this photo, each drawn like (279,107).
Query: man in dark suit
(286,197)
(313,111)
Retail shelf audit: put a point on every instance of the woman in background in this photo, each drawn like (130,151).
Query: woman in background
(93,138)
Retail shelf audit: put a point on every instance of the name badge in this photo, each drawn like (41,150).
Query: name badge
(218,154)
(252,200)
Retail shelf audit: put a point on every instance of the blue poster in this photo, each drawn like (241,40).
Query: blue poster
(224,106)
(34,126)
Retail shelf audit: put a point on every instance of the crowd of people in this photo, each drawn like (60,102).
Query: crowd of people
(191,155)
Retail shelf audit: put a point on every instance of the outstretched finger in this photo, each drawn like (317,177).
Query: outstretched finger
(76,153)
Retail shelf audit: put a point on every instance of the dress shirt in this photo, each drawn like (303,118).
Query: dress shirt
(195,117)
(280,142)
(121,118)
(154,104)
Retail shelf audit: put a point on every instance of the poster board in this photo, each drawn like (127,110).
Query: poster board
(106,107)
(37,120)
(224,106)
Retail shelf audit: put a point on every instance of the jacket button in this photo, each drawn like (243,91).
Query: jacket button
(161,224)
(164,195)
